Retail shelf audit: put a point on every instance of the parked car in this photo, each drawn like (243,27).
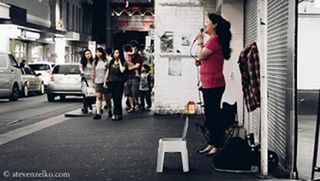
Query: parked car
(10,77)
(44,68)
(65,80)
(31,82)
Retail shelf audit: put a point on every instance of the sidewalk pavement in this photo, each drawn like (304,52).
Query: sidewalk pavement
(306,133)
(111,150)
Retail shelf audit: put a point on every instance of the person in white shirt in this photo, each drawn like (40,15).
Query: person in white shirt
(86,70)
(100,72)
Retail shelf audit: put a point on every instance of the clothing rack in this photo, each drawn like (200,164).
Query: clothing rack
(316,168)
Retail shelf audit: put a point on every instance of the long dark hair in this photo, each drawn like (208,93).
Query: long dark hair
(223,32)
(121,57)
(103,56)
(83,60)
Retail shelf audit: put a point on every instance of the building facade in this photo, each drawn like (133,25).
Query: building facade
(116,22)
(45,30)
(75,17)
(271,24)
(308,64)
(25,30)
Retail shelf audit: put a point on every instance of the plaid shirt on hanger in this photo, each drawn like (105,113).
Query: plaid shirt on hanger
(249,64)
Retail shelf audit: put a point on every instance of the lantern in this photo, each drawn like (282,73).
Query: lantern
(190,108)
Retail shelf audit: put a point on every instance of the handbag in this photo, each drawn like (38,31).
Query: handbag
(87,91)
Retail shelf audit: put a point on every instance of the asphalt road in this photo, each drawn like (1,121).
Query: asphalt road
(32,109)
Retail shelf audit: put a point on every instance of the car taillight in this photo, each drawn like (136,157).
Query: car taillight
(52,77)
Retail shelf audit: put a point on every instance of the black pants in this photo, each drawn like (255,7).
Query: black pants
(145,96)
(116,89)
(214,123)
(86,103)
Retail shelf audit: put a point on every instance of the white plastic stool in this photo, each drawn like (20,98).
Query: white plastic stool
(172,145)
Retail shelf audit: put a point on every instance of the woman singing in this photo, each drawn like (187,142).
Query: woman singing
(211,57)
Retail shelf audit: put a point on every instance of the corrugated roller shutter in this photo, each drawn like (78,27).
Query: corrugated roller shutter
(251,23)
(277,55)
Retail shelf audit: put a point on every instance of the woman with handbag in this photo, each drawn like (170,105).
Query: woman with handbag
(117,76)
(86,70)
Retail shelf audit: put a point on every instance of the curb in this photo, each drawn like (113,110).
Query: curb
(76,113)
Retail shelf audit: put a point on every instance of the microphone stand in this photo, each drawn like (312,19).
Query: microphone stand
(199,125)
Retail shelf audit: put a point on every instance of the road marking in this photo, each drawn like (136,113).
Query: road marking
(14,122)
(24,131)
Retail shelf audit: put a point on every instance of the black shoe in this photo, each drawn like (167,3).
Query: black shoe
(105,107)
(131,110)
(110,114)
(84,111)
(116,118)
(209,154)
(97,116)
(113,118)
(202,151)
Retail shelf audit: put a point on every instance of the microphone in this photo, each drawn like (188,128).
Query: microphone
(201,31)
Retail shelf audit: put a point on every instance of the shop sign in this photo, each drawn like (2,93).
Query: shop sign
(133,23)
(29,35)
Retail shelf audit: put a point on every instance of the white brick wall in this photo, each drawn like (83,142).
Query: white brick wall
(232,10)
(173,92)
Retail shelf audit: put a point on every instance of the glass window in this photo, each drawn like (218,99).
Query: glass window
(66,69)
(3,61)
(18,49)
(37,67)
(36,52)
(27,71)
(13,61)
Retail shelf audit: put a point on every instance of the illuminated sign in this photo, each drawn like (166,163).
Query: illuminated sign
(29,35)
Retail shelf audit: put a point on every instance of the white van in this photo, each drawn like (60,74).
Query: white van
(10,77)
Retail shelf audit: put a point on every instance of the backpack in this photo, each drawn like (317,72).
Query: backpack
(239,156)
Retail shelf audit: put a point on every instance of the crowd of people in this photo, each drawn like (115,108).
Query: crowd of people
(113,73)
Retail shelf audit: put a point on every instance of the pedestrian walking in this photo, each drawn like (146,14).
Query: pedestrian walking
(117,76)
(145,88)
(211,59)
(100,72)
(86,70)
(107,96)
(127,54)
(132,85)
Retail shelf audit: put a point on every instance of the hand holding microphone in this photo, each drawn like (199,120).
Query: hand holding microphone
(199,37)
